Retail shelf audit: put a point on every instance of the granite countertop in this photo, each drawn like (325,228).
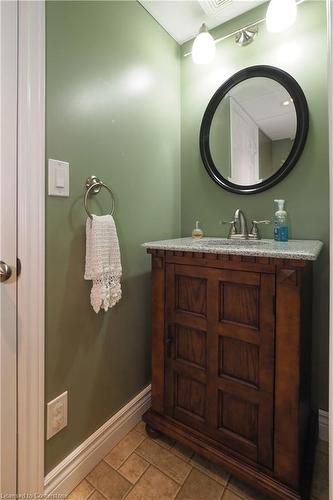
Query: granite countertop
(293,249)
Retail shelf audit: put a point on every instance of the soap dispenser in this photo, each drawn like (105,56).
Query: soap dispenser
(280,222)
(197,232)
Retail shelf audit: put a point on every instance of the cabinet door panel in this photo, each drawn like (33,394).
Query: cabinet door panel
(239,360)
(190,295)
(190,346)
(186,344)
(239,304)
(244,323)
(220,356)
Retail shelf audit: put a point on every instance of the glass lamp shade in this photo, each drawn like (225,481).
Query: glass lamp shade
(203,49)
(281,15)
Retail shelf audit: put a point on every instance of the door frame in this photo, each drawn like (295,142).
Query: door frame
(329,5)
(236,108)
(8,247)
(31,245)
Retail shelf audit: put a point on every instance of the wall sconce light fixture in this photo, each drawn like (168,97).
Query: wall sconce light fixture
(203,48)
(246,36)
(281,15)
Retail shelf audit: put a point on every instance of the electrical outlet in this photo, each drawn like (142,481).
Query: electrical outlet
(56,415)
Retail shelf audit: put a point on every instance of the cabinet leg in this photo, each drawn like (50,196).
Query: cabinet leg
(152,433)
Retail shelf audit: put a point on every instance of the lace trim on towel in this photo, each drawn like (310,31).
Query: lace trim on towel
(105,292)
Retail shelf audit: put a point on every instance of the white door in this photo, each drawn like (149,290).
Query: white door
(8,245)
(244,146)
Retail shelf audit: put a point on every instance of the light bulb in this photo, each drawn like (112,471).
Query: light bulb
(203,48)
(281,15)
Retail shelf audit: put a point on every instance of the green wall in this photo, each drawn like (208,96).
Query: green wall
(302,52)
(113,110)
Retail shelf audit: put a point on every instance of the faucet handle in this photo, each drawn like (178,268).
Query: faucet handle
(254,233)
(256,222)
(232,229)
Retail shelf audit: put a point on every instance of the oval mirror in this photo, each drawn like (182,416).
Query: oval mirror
(254,129)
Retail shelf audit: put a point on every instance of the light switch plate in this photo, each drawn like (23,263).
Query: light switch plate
(58,178)
(57,414)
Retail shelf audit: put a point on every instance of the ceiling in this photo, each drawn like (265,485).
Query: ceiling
(263,100)
(182,19)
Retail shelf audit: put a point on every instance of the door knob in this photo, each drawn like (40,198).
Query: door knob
(5,271)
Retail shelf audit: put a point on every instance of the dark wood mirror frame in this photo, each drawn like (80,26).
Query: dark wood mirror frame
(302,113)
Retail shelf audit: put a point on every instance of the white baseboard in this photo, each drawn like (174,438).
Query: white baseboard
(323,425)
(70,472)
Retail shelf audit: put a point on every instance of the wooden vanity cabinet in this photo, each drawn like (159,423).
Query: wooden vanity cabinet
(231,364)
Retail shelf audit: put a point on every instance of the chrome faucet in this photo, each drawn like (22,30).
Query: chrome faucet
(239,217)
(238,227)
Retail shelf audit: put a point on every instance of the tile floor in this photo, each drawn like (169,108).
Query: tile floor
(140,468)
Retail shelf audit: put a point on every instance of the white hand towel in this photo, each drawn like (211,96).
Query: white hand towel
(103,264)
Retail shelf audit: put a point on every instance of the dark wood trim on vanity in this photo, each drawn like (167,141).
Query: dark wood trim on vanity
(158,300)
(232,335)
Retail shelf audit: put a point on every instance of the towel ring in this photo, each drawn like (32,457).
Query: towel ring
(93,186)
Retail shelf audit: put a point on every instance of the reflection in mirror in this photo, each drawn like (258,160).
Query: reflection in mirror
(253,131)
